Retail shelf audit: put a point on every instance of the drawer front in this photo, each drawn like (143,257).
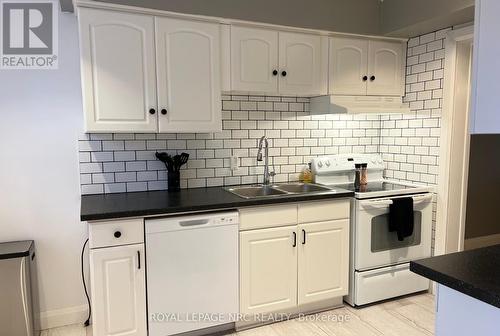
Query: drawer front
(323,211)
(113,233)
(268,216)
(387,282)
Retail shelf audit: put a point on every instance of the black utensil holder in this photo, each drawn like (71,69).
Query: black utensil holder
(174,181)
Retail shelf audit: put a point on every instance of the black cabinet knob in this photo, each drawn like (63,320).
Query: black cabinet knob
(365,78)
(283,73)
(164,111)
(275,72)
(372,78)
(152,111)
(117,234)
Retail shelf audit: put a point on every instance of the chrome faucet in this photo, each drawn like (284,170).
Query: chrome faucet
(263,142)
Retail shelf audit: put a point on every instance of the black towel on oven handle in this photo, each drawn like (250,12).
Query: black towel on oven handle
(401,217)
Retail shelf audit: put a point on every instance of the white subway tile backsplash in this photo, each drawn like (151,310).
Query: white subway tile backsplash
(113,145)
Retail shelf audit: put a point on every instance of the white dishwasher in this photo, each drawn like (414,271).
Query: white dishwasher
(192,272)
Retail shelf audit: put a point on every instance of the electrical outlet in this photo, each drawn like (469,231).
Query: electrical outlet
(234,163)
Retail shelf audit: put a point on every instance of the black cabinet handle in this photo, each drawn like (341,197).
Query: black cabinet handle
(275,72)
(138,259)
(152,111)
(294,239)
(303,237)
(117,234)
(372,78)
(365,78)
(283,73)
(164,111)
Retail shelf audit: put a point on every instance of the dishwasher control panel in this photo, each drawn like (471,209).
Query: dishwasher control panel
(230,218)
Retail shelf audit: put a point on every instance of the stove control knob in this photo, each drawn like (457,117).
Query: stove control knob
(327,163)
(320,164)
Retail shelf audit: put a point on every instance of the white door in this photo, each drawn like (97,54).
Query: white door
(268,270)
(385,68)
(189,79)
(254,60)
(118,71)
(348,69)
(323,260)
(302,64)
(119,290)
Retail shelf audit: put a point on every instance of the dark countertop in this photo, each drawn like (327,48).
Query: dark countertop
(15,249)
(475,273)
(149,203)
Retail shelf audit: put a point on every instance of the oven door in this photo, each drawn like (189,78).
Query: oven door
(375,246)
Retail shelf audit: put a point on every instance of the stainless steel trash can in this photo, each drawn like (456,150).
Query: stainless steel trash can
(18,289)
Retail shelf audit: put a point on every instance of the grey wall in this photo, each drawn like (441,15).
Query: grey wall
(352,16)
(412,18)
(483,198)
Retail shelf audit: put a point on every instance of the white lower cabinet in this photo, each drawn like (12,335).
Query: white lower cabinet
(268,270)
(323,261)
(284,268)
(118,278)
(118,290)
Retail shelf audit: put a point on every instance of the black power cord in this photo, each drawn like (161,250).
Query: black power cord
(87,322)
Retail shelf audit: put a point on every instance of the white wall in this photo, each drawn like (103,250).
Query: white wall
(41,114)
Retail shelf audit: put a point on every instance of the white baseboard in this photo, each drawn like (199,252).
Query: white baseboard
(473,243)
(62,317)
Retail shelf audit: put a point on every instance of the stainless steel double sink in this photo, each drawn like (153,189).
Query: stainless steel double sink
(276,190)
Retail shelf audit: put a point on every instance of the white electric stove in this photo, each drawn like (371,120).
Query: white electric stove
(338,171)
(379,262)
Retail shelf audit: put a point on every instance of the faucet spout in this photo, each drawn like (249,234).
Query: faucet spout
(264,144)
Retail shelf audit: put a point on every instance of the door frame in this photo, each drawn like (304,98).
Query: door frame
(443,235)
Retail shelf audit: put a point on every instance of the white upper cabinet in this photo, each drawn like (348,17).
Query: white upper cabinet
(366,67)
(189,77)
(118,71)
(127,88)
(272,62)
(385,68)
(348,66)
(254,60)
(302,64)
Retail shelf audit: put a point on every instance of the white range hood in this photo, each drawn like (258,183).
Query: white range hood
(358,104)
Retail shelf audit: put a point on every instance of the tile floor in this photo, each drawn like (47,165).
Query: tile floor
(409,316)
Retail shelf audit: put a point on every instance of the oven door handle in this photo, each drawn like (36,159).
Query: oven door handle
(377,204)
(422,199)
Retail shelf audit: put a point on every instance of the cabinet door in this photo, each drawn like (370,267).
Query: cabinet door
(348,66)
(189,79)
(323,260)
(268,270)
(118,71)
(118,290)
(302,64)
(385,68)
(254,57)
